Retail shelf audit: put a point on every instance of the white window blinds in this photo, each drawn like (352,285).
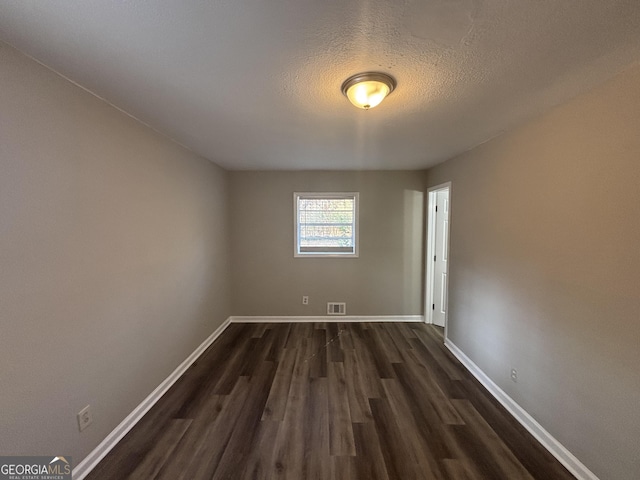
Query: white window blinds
(326,224)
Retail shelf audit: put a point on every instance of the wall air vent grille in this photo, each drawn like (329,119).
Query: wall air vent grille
(335,308)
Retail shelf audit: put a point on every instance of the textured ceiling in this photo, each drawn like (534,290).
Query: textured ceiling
(255,84)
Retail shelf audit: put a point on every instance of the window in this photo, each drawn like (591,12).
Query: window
(326,224)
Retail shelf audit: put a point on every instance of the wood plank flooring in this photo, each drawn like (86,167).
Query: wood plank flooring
(328,401)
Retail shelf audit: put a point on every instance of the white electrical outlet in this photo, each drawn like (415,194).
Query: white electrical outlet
(514,375)
(305,299)
(85,418)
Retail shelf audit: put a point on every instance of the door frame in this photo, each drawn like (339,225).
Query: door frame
(430,244)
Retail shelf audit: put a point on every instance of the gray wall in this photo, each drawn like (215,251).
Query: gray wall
(386,279)
(545,270)
(113,260)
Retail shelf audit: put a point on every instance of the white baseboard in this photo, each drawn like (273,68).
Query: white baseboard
(329,318)
(564,456)
(98,453)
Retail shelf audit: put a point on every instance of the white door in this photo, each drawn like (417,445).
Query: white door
(440,257)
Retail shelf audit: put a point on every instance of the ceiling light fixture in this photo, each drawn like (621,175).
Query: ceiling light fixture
(366,90)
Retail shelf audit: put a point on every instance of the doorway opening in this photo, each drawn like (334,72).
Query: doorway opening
(437,258)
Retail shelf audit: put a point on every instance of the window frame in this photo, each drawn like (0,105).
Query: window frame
(326,195)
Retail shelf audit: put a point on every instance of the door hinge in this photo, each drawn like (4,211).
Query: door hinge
(433,306)
(436,208)
(434,258)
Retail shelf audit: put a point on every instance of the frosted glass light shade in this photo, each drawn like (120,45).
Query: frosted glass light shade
(366,90)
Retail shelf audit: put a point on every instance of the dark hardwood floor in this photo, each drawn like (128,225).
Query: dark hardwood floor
(363,401)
